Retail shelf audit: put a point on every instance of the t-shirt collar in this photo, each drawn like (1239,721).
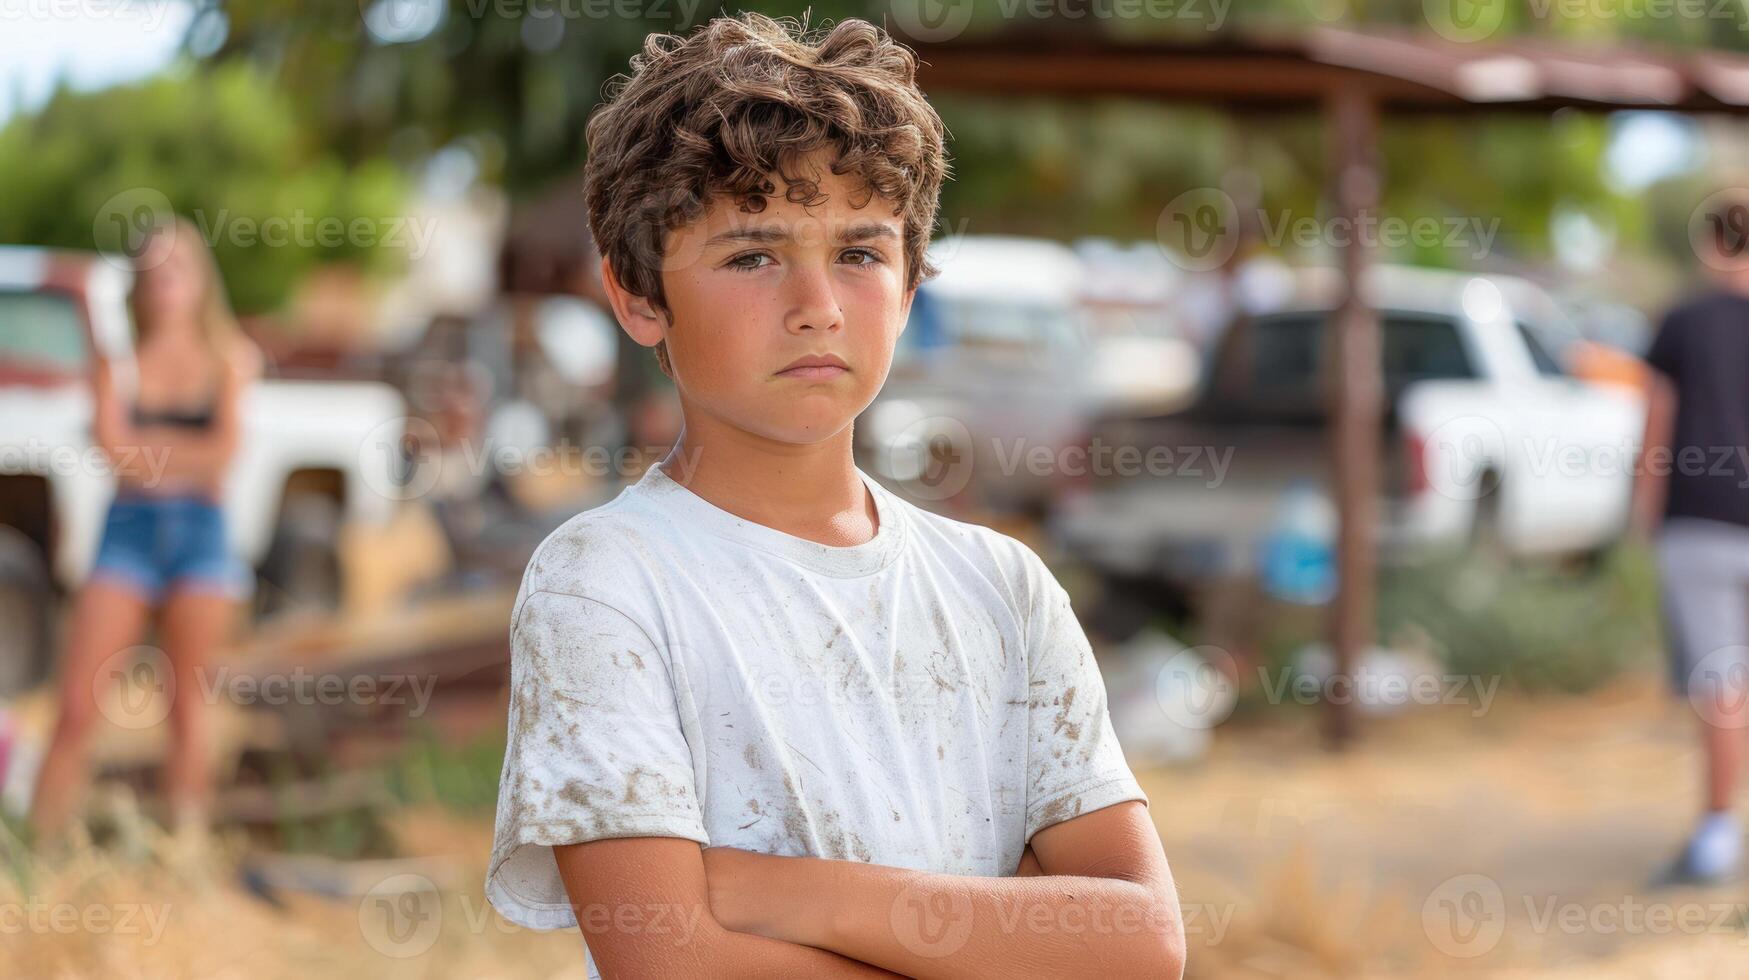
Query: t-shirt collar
(852,561)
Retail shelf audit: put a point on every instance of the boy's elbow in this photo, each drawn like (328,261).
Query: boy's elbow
(1165,951)
(1171,955)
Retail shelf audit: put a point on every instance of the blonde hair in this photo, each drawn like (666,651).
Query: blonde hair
(217,322)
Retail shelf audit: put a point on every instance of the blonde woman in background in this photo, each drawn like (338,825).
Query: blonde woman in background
(170,424)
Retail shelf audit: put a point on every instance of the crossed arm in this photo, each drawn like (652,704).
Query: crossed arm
(1093,898)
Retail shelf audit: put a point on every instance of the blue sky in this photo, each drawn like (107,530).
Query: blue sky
(91,43)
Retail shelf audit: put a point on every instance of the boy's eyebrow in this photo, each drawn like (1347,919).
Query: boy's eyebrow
(767,235)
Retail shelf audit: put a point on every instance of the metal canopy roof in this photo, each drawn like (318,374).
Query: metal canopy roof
(1406,71)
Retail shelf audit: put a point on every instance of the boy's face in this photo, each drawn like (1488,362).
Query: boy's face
(751,294)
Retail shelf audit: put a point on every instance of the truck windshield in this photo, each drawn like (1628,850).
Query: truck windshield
(1277,361)
(41,330)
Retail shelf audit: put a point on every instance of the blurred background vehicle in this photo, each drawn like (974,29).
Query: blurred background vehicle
(992,365)
(1142,361)
(1487,441)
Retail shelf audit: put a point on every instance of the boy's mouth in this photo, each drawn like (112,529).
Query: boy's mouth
(815,367)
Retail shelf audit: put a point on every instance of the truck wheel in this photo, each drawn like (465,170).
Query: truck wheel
(302,568)
(26,605)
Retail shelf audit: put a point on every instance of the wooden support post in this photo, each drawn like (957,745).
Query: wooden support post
(1357,398)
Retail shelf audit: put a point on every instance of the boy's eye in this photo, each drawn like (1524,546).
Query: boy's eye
(748,261)
(869,256)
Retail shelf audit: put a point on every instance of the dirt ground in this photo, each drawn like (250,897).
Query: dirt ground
(1515,844)
(1520,843)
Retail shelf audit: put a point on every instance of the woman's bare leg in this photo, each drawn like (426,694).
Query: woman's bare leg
(195,623)
(106,617)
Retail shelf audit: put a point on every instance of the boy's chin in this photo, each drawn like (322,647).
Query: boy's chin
(809,432)
(808,419)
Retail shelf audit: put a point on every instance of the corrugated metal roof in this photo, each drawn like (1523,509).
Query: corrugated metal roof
(1407,71)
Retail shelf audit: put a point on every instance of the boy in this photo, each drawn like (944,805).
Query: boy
(766,718)
(1691,487)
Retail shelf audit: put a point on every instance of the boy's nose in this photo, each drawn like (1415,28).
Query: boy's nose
(812,302)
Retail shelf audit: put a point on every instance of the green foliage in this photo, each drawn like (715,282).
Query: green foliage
(462,778)
(222,147)
(518,81)
(1538,627)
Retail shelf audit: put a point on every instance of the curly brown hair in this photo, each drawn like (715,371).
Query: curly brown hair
(713,112)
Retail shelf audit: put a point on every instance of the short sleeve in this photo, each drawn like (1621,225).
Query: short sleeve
(1664,354)
(595,750)
(1074,762)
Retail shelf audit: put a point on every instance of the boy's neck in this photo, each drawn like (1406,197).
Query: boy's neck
(812,492)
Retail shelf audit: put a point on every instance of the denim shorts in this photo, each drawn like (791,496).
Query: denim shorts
(157,544)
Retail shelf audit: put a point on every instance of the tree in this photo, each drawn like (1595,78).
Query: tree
(219,146)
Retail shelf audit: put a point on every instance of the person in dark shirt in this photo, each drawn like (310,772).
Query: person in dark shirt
(1692,499)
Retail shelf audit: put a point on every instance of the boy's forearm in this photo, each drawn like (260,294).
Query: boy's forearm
(925,925)
(711,949)
(739,954)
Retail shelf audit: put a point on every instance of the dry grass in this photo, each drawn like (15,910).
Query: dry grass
(1292,863)
(149,906)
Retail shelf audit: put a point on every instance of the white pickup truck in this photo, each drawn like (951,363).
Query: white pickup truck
(1486,437)
(315,454)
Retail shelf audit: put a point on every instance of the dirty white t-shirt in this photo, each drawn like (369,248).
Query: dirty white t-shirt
(925,700)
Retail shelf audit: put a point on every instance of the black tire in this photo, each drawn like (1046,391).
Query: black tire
(27,603)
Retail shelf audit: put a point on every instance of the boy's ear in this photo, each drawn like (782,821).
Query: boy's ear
(637,315)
